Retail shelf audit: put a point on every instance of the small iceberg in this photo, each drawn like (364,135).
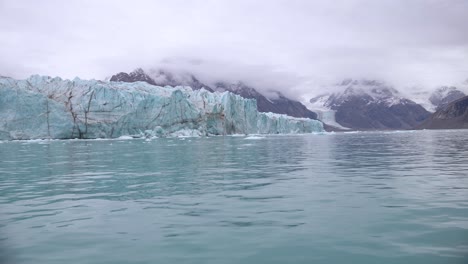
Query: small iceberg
(254,137)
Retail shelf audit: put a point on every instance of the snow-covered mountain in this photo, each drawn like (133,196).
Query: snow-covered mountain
(369,104)
(352,104)
(280,104)
(444,95)
(370,91)
(437,97)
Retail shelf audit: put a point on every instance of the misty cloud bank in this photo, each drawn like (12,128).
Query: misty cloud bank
(292,46)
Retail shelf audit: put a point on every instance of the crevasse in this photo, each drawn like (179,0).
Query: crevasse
(42,107)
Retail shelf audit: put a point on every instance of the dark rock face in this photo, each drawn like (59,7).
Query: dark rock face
(359,113)
(280,105)
(290,107)
(370,105)
(136,76)
(445,95)
(452,116)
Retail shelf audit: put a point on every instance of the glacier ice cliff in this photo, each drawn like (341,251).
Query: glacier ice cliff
(42,107)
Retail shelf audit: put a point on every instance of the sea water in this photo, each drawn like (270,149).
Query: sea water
(367,197)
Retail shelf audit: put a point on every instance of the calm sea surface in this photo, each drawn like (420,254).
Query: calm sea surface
(380,197)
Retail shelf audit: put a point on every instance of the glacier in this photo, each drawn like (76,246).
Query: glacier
(327,116)
(41,107)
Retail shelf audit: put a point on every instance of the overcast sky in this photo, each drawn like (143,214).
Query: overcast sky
(290,45)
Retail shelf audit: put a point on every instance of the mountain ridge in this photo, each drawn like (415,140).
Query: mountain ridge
(452,116)
(279,105)
(370,105)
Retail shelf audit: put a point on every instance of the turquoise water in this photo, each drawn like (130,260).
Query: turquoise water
(333,198)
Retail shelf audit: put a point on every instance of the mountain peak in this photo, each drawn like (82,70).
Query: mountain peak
(161,77)
(444,95)
(368,91)
(138,75)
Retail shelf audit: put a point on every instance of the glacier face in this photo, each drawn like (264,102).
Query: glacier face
(43,107)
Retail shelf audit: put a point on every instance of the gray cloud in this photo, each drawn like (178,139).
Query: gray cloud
(294,46)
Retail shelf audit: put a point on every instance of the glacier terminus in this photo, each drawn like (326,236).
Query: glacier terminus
(42,107)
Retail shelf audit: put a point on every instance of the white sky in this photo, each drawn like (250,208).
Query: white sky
(293,46)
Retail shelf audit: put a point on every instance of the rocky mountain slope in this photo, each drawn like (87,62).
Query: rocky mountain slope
(161,78)
(444,95)
(280,105)
(454,115)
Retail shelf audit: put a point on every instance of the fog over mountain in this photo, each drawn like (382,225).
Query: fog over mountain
(296,47)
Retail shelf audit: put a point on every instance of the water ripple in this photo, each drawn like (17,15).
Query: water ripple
(367,197)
